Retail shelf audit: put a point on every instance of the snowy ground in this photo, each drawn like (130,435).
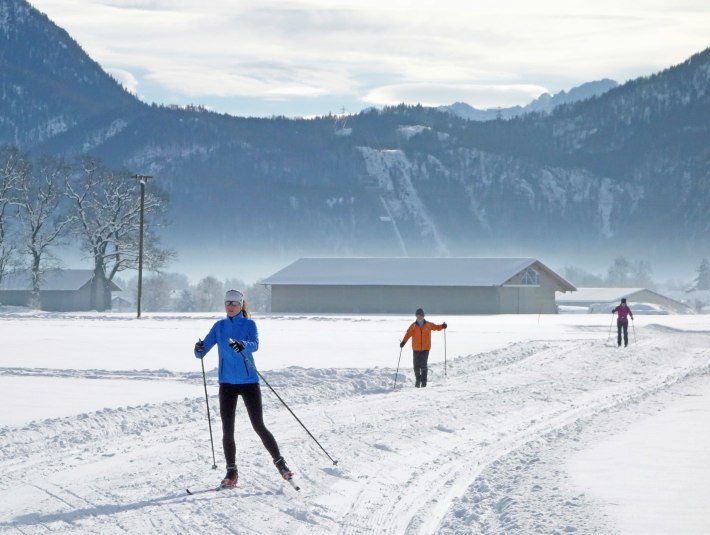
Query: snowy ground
(665,458)
(532,429)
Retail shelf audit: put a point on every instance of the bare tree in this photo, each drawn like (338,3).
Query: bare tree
(12,164)
(259,297)
(234,284)
(43,219)
(702,281)
(157,294)
(106,210)
(209,295)
(619,273)
(641,274)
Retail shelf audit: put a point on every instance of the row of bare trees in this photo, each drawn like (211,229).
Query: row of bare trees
(173,292)
(47,203)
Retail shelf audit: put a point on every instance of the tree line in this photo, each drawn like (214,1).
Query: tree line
(172,292)
(48,202)
(624,273)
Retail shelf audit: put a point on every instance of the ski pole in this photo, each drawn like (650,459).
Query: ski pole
(633,327)
(284,404)
(397,372)
(445,353)
(610,325)
(209,418)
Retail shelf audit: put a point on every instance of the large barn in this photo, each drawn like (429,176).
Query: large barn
(401,285)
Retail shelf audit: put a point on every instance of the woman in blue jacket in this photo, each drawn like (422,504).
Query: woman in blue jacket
(237,339)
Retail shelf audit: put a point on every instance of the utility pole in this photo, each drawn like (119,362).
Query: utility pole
(143,179)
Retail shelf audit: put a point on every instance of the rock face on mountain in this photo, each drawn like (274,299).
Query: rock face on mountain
(626,172)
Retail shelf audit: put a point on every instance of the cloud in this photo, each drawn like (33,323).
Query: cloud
(125,78)
(265,83)
(141,4)
(488,53)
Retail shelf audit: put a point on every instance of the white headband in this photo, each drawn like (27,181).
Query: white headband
(234,295)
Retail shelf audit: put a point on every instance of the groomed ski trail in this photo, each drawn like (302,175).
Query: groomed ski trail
(451,458)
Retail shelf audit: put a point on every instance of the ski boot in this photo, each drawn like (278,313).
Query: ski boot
(230,479)
(285,472)
(283,469)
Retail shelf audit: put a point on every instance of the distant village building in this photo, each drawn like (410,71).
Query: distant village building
(401,285)
(61,290)
(598,300)
(119,304)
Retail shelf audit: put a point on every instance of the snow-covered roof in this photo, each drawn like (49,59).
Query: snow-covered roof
(53,280)
(408,272)
(600,299)
(599,295)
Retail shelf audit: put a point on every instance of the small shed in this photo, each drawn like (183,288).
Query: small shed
(401,285)
(119,304)
(604,299)
(61,290)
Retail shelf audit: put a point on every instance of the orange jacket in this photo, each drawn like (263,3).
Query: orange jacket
(421,336)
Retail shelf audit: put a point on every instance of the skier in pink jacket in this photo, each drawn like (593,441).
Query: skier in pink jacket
(623,312)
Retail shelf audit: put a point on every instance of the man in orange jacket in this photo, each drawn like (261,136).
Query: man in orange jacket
(420,333)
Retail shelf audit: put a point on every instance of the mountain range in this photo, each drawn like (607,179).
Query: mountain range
(545,103)
(624,172)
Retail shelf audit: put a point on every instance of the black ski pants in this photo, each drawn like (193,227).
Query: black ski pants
(420,367)
(622,326)
(251,394)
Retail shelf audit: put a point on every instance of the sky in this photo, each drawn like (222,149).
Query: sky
(304,58)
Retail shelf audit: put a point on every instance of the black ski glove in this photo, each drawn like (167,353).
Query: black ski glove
(236,345)
(200,347)
(401,344)
(444,325)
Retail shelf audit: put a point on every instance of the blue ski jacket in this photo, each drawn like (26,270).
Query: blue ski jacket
(232,368)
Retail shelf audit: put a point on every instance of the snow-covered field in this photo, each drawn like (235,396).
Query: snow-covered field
(537,424)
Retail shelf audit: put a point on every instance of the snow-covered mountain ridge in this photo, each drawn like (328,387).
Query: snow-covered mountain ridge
(545,103)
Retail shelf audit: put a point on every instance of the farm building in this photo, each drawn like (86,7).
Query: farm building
(604,299)
(61,290)
(401,285)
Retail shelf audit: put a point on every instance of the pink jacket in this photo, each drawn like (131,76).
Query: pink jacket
(622,311)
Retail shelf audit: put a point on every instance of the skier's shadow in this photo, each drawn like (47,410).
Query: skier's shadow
(111,509)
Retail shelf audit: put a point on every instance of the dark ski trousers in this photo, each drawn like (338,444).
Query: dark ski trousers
(622,326)
(251,394)
(420,367)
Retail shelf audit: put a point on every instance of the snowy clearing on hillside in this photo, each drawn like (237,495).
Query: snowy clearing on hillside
(504,440)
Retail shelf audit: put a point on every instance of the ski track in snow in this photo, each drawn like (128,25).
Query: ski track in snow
(479,451)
